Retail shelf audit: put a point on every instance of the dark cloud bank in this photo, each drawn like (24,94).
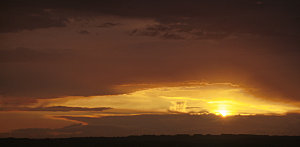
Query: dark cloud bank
(169,124)
(263,54)
(227,16)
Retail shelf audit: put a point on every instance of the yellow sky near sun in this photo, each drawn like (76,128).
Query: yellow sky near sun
(220,99)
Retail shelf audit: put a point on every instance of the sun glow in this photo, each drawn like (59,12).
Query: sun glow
(223,112)
(223,108)
(219,99)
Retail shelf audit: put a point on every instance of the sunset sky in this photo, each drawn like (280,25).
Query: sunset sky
(134,67)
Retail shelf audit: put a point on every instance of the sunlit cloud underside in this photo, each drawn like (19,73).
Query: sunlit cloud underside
(220,99)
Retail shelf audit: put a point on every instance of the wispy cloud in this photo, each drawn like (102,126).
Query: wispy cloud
(53,108)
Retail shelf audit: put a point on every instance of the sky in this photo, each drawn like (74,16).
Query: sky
(135,67)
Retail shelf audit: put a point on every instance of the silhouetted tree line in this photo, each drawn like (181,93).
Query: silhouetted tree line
(227,140)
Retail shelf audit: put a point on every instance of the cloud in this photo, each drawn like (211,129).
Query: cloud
(108,25)
(53,108)
(179,31)
(170,124)
(236,44)
(22,54)
(84,32)
(204,17)
(20,17)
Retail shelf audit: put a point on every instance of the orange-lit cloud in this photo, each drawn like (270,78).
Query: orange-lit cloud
(54,108)
(221,99)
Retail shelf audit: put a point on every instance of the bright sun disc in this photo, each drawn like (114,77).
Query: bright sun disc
(223,112)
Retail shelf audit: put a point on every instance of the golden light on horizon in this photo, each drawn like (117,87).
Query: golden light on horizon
(223,112)
(219,99)
(222,109)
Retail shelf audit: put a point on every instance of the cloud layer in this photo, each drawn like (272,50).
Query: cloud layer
(45,55)
(169,124)
(53,108)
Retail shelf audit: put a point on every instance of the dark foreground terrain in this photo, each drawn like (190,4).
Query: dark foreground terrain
(155,141)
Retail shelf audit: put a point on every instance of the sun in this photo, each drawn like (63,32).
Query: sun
(224,113)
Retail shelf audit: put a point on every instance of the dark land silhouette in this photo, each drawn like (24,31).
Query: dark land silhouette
(227,140)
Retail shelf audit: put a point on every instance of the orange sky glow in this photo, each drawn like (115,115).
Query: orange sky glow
(151,67)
